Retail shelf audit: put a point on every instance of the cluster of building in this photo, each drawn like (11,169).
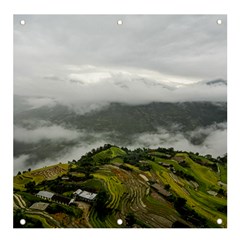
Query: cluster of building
(79,195)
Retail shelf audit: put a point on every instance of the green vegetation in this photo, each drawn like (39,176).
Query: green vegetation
(38,219)
(223,172)
(144,187)
(30,198)
(58,208)
(30,221)
(39,175)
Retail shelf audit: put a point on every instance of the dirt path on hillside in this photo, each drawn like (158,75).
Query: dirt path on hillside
(86,211)
(19,201)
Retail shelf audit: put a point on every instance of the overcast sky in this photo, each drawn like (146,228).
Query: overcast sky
(86,62)
(64,56)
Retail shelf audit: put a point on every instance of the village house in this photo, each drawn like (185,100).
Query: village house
(45,195)
(84,195)
(39,206)
(53,197)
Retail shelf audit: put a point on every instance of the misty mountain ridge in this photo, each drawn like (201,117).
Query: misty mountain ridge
(85,96)
(130,119)
(215,82)
(122,110)
(53,132)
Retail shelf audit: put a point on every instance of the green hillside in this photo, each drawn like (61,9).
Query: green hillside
(146,188)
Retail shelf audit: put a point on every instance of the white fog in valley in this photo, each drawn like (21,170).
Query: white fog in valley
(69,73)
(214,143)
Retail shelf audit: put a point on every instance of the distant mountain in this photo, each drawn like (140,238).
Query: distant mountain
(215,82)
(116,123)
(131,119)
(20,104)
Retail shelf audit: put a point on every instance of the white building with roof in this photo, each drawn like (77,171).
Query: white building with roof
(45,194)
(85,195)
(88,195)
(40,206)
(71,201)
(77,192)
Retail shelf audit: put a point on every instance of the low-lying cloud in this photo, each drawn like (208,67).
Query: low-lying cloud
(23,161)
(210,140)
(87,88)
(54,132)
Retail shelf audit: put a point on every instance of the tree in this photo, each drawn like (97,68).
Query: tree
(221,192)
(29,169)
(100,205)
(30,222)
(214,167)
(130,220)
(30,186)
(224,158)
(179,202)
(167,187)
(18,215)
(208,156)
(171,150)
(19,173)
(101,200)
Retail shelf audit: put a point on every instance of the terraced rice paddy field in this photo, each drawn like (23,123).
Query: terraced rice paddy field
(145,192)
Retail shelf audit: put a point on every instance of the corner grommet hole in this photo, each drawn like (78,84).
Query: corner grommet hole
(119,221)
(22,22)
(219,221)
(22,221)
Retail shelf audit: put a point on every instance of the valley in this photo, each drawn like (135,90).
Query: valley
(51,133)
